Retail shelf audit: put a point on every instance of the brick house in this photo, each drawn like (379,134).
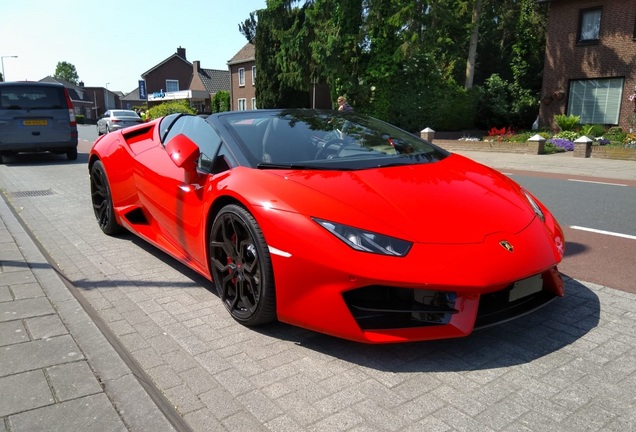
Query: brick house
(176,78)
(590,62)
(243,79)
(83,98)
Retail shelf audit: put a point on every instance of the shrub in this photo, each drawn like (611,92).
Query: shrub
(567,122)
(568,135)
(502,103)
(80,119)
(592,130)
(615,135)
(170,108)
(630,141)
(221,101)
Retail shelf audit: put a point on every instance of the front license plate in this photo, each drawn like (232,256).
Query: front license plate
(35,122)
(525,287)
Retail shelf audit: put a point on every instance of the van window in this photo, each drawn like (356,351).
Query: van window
(22,97)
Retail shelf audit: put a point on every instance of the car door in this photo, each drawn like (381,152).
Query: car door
(177,204)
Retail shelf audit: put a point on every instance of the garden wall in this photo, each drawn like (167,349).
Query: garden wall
(595,151)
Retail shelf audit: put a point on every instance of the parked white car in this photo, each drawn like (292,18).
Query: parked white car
(113,120)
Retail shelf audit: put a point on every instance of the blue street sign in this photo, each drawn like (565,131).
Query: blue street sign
(142,90)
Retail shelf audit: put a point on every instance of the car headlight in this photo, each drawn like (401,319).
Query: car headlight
(366,241)
(534,205)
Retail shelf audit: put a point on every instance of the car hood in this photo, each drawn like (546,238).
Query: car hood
(454,200)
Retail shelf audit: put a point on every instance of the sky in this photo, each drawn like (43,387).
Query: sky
(112,42)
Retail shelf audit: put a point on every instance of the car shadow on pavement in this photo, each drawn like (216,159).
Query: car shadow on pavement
(573,248)
(520,341)
(25,159)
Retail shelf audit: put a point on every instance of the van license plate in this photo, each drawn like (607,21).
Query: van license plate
(35,122)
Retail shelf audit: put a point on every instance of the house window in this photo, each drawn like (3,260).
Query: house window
(253,75)
(589,25)
(597,101)
(242,102)
(241,77)
(172,85)
(253,103)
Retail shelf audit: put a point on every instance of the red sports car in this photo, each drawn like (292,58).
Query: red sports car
(332,221)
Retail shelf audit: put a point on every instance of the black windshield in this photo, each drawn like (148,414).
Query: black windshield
(311,139)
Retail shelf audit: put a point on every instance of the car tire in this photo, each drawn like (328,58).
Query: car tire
(241,267)
(103,201)
(107,129)
(72,154)
(99,133)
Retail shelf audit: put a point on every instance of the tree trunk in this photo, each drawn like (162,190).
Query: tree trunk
(472,46)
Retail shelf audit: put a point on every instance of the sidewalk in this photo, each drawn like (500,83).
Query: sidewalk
(59,372)
(560,163)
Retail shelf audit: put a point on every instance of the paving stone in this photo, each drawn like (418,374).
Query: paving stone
(89,414)
(27,290)
(12,332)
(45,327)
(73,380)
(5,294)
(26,308)
(24,391)
(38,354)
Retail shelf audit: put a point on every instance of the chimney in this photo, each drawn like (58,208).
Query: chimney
(81,83)
(181,53)
(196,67)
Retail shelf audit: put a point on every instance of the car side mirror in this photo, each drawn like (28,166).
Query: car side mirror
(183,152)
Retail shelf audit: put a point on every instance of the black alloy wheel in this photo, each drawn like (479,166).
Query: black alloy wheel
(241,267)
(103,201)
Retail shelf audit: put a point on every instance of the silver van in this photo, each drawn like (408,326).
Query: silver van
(36,117)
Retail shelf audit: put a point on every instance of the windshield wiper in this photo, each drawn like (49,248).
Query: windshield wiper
(292,165)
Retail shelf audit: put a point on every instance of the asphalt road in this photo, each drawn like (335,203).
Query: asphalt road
(599,231)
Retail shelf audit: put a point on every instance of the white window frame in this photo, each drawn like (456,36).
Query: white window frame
(590,25)
(254,103)
(171,82)
(253,75)
(241,75)
(242,104)
(597,101)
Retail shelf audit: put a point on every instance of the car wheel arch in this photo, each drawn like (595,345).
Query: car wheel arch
(264,306)
(215,208)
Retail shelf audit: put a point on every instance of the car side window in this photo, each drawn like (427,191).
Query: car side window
(201,133)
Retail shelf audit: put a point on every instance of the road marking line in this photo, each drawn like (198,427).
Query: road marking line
(627,236)
(598,182)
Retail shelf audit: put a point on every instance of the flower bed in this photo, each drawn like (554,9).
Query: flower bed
(597,151)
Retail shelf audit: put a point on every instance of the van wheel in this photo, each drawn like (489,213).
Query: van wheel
(1,158)
(72,154)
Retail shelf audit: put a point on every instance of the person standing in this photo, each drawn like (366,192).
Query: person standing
(343,105)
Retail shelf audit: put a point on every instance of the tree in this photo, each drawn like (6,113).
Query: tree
(472,47)
(66,71)
(415,63)
(221,101)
